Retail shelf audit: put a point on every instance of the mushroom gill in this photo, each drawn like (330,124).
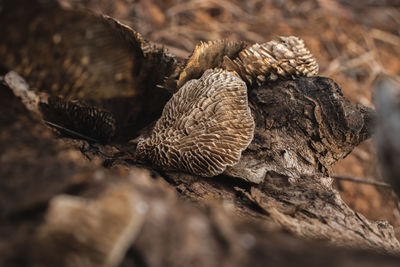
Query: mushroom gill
(203,128)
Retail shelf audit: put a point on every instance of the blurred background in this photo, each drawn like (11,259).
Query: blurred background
(355,42)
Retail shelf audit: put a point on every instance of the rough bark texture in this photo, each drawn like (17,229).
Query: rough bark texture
(69,202)
(303,126)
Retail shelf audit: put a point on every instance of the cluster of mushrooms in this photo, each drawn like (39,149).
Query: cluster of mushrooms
(207,123)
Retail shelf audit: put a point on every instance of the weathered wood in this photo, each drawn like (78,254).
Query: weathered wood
(171,232)
(303,127)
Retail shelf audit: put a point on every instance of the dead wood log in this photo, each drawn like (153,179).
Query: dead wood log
(302,128)
(168,232)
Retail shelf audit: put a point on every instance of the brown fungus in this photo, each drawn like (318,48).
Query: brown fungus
(92,121)
(203,128)
(208,55)
(281,58)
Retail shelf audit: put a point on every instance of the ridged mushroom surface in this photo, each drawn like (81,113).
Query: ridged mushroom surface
(92,121)
(281,58)
(203,128)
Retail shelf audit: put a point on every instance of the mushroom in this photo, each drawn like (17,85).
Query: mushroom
(203,128)
(208,56)
(93,122)
(283,57)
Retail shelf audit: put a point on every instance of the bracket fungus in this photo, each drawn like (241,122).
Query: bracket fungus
(207,124)
(203,128)
(208,55)
(283,57)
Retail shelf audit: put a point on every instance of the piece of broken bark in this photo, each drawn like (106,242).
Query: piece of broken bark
(90,57)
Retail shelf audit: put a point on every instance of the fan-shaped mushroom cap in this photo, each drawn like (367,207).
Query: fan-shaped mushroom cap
(203,128)
(208,55)
(284,57)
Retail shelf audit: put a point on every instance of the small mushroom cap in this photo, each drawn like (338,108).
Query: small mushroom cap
(283,57)
(208,55)
(203,128)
